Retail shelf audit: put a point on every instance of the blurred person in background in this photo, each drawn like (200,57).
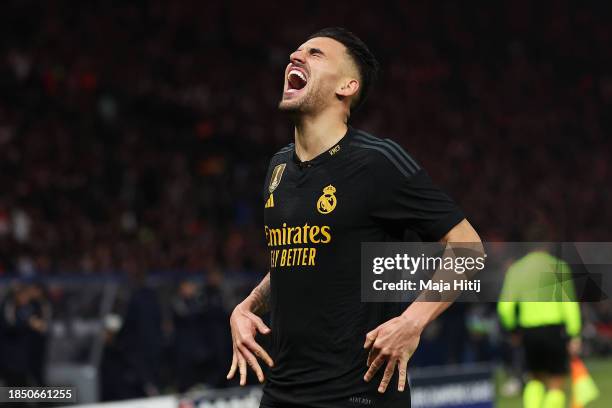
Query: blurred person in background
(39,332)
(140,339)
(16,313)
(141,335)
(598,327)
(25,318)
(538,305)
(192,353)
(218,334)
(113,378)
(201,336)
(481,321)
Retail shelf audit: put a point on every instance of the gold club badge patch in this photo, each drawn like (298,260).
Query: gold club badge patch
(277,174)
(327,202)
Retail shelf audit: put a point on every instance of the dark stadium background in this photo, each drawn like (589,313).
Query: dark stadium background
(134,137)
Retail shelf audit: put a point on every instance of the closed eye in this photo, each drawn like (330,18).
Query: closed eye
(315,51)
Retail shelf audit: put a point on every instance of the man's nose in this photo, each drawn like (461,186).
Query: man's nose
(297,57)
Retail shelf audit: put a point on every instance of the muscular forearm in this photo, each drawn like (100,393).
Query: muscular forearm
(258,301)
(423,310)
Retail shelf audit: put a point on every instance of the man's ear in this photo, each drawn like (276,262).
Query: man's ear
(348,88)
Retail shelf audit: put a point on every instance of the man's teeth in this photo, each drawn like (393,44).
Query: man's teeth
(298,73)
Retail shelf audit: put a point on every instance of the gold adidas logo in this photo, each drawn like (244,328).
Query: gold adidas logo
(270,202)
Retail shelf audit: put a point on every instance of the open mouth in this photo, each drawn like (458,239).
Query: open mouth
(296,80)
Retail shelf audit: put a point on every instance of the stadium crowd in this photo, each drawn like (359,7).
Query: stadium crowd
(138,133)
(142,130)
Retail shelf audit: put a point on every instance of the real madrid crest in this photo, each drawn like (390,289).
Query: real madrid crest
(277,174)
(327,202)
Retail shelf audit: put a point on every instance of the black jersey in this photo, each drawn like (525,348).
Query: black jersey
(316,214)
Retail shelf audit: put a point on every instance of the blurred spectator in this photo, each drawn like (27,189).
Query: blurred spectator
(598,327)
(38,333)
(217,331)
(24,322)
(134,353)
(112,374)
(191,351)
(201,335)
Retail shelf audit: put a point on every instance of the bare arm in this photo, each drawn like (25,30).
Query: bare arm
(394,341)
(422,313)
(245,323)
(258,301)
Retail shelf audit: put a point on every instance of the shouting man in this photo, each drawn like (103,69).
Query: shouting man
(332,189)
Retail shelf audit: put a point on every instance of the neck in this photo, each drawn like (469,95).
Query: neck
(316,134)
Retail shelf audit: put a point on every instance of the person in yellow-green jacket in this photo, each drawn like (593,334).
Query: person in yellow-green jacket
(538,301)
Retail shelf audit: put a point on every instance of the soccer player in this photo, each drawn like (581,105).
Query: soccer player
(332,189)
(550,329)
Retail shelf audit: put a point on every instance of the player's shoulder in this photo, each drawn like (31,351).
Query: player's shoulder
(383,152)
(285,150)
(283,154)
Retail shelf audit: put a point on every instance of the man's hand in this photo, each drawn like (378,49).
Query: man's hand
(515,339)
(392,342)
(244,325)
(574,346)
(37,324)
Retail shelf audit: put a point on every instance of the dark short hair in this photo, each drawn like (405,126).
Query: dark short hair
(360,53)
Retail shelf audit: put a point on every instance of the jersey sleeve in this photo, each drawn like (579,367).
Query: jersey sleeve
(264,191)
(507,306)
(404,197)
(507,314)
(278,158)
(571,314)
(569,307)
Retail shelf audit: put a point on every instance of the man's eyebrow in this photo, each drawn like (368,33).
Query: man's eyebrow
(316,51)
(312,50)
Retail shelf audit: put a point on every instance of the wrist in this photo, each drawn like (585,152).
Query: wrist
(413,322)
(242,307)
(249,304)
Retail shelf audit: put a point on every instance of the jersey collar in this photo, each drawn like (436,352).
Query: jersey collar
(335,151)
